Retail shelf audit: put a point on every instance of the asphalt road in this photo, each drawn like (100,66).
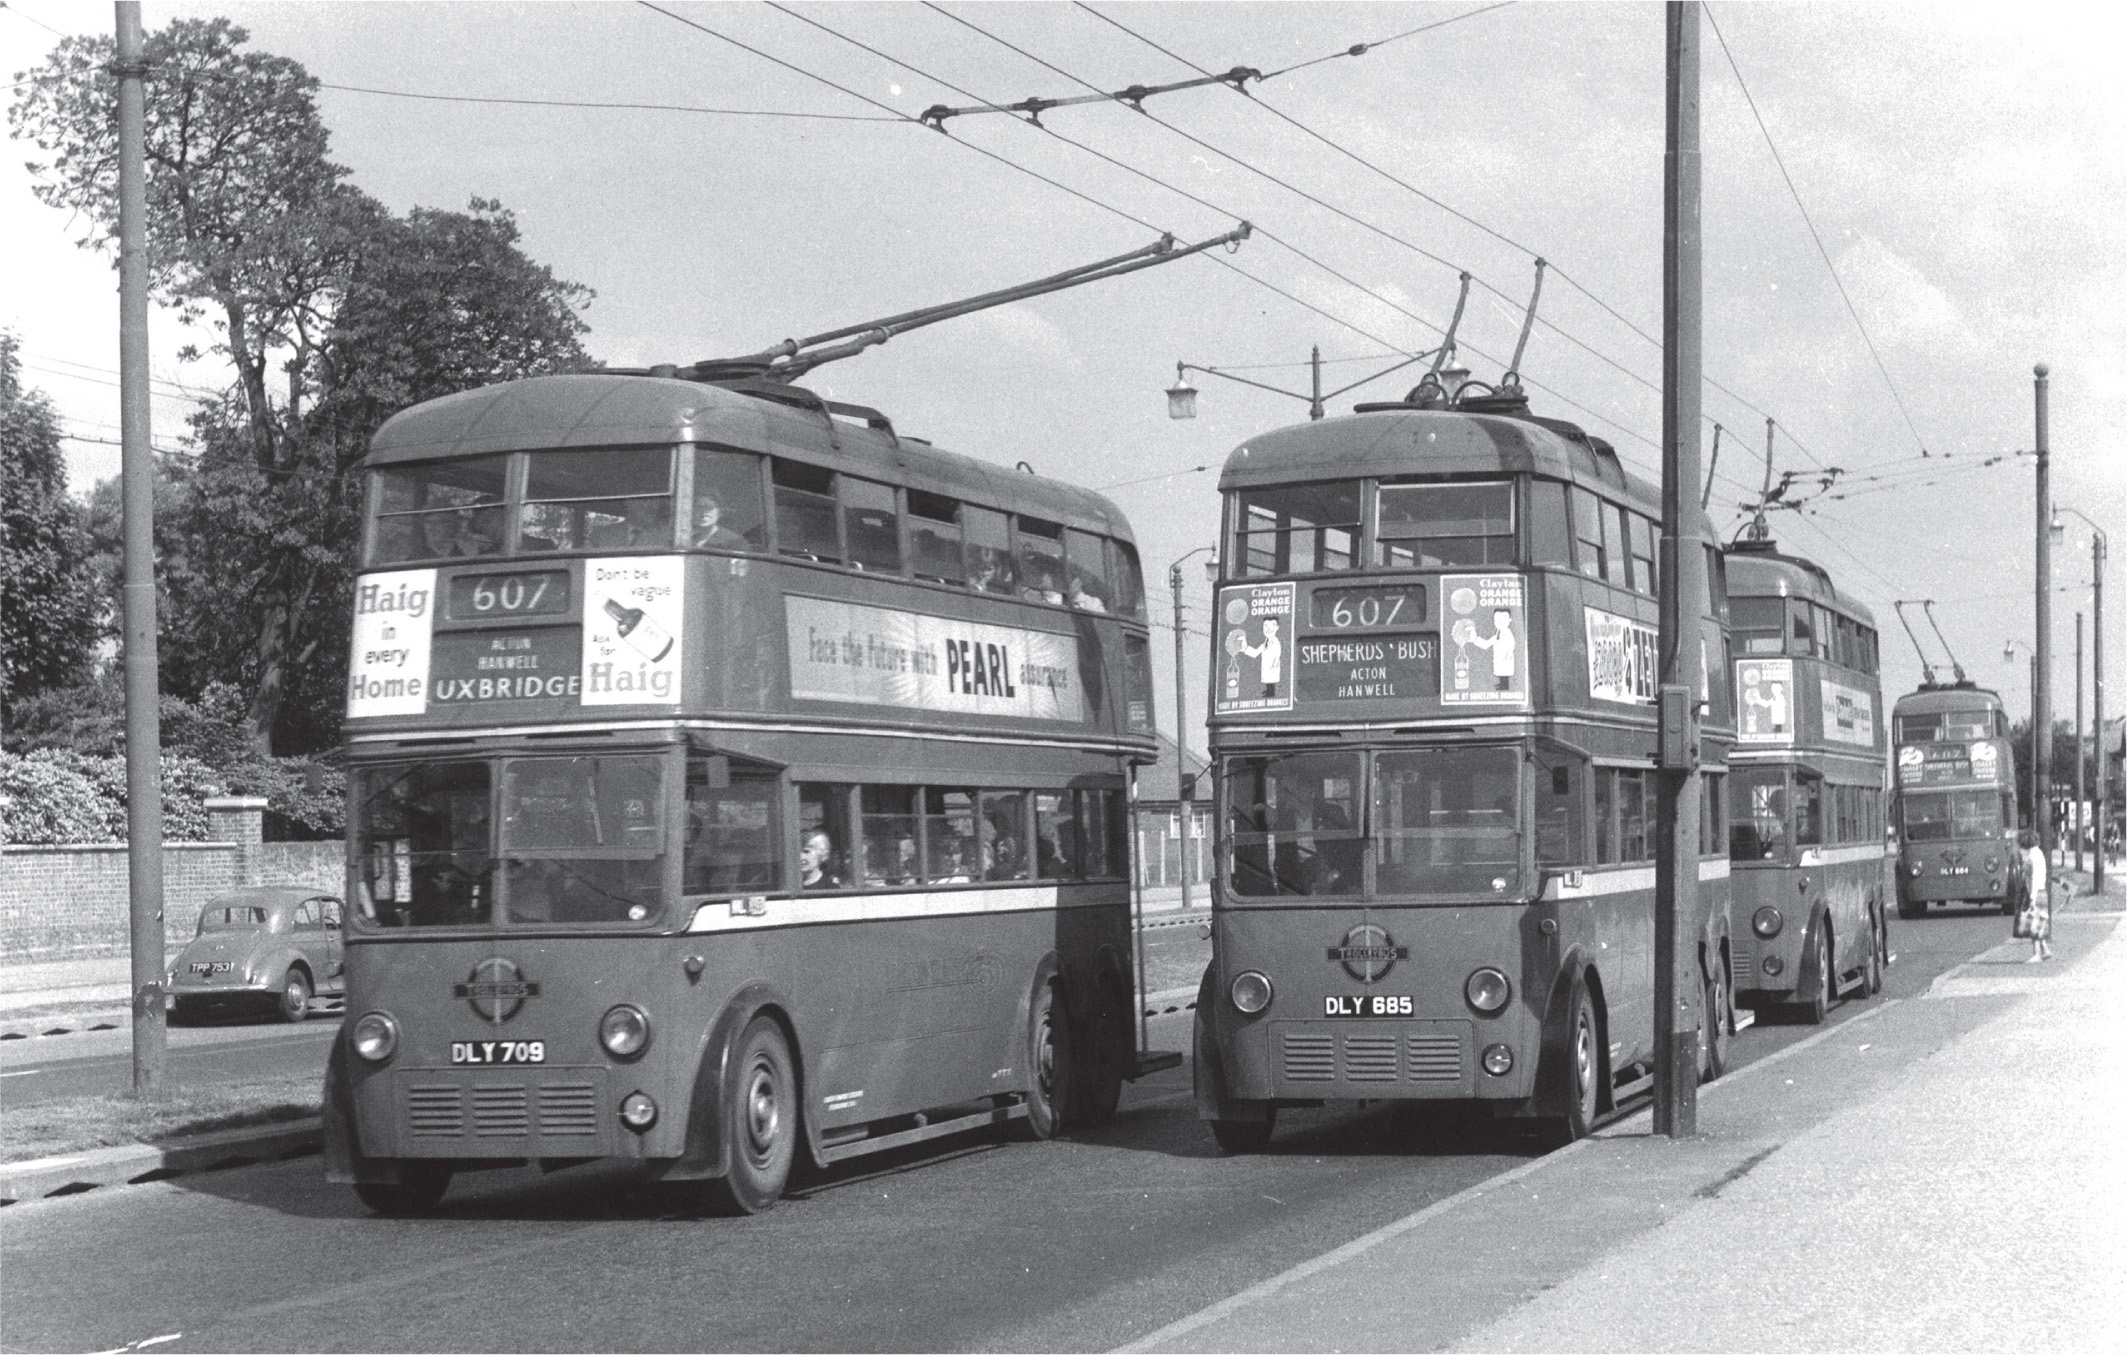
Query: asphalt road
(970,1243)
(100,1062)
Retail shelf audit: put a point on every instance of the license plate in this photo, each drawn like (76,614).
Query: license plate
(211,967)
(1368,1005)
(498,1051)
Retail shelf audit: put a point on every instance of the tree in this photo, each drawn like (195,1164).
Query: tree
(254,230)
(50,612)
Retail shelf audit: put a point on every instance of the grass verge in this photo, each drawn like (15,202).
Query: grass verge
(76,1124)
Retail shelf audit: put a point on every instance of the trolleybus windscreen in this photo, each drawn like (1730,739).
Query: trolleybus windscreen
(1951,815)
(1295,825)
(422,845)
(1758,813)
(1447,821)
(583,838)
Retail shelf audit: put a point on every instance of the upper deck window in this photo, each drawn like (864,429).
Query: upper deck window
(728,513)
(1645,577)
(597,500)
(1127,577)
(872,524)
(989,551)
(1087,587)
(1950,725)
(805,514)
(440,511)
(1432,525)
(1550,528)
(1758,621)
(934,538)
(1296,529)
(1041,559)
(1589,538)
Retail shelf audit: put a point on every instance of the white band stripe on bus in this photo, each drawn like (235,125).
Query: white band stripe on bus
(733,915)
(1596,884)
(1841,856)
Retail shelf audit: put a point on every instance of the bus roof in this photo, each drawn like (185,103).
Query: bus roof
(1757,569)
(608,410)
(1389,443)
(1949,696)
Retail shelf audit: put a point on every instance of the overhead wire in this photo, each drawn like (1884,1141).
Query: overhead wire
(587,103)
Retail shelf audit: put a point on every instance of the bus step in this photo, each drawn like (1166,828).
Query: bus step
(1745,1019)
(1150,1061)
(959,1124)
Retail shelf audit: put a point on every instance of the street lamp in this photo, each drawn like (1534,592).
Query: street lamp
(2099,547)
(1184,787)
(1181,396)
(2008,655)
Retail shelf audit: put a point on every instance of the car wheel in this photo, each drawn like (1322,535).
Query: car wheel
(419,1188)
(294,1003)
(760,1122)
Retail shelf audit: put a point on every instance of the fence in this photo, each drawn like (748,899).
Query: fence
(73,902)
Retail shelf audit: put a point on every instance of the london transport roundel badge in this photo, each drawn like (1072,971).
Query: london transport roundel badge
(495,989)
(1368,952)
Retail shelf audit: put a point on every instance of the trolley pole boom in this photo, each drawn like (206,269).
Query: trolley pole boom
(1682,593)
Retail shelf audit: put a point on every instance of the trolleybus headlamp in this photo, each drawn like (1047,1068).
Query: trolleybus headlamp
(1251,992)
(638,1112)
(1993,863)
(624,1031)
(1498,1060)
(1487,990)
(376,1037)
(1767,921)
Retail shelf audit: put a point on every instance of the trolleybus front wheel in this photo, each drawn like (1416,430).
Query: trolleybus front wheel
(1819,1002)
(760,1109)
(419,1187)
(1583,1071)
(1879,954)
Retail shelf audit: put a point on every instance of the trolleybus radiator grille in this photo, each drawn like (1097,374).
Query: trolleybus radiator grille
(435,1112)
(568,1108)
(1435,1058)
(501,1112)
(1370,1058)
(1310,1058)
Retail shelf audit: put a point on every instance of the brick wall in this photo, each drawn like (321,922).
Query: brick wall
(71,902)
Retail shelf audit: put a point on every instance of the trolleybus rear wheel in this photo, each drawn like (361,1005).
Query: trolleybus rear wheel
(1819,1001)
(1873,971)
(760,1121)
(1713,1026)
(1051,1064)
(1245,1136)
(419,1187)
(1098,1087)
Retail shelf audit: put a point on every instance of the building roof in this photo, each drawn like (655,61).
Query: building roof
(1156,783)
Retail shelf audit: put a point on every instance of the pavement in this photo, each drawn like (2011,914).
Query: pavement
(1939,1173)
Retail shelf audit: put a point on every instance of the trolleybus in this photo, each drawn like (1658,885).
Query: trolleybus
(1810,880)
(732,780)
(1955,803)
(1433,722)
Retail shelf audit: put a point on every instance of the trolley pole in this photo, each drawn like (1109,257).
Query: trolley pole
(143,722)
(1683,598)
(2042,645)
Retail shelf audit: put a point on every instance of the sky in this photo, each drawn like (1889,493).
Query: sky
(1905,208)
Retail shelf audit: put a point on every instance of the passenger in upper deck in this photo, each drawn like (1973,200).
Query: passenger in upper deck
(468,531)
(644,524)
(709,531)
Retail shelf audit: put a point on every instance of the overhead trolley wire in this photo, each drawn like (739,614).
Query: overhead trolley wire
(588,103)
(1362,48)
(1822,252)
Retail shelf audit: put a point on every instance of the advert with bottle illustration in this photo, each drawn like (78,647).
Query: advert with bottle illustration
(632,621)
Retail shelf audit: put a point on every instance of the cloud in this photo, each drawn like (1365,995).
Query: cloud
(1899,303)
(1024,330)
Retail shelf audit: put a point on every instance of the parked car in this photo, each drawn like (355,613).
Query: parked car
(270,949)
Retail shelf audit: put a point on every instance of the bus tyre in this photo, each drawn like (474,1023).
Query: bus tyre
(1714,1025)
(1050,1063)
(760,1109)
(294,1002)
(1583,1070)
(1872,971)
(1245,1136)
(419,1188)
(1098,1087)
(1819,1002)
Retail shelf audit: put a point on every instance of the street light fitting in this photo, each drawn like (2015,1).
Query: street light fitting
(1181,396)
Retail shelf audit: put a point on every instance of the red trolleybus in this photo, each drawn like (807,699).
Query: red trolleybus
(1810,882)
(731,779)
(1433,722)
(1955,806)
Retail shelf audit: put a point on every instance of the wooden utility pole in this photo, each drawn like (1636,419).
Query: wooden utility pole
(2042,644)
(137,476)
(1682,601)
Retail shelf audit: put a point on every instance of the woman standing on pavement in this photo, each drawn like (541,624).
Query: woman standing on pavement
(2036,919)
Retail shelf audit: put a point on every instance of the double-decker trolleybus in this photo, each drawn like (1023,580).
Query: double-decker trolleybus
(730,779)
(1434,676)
(1810,866)
(1954,809)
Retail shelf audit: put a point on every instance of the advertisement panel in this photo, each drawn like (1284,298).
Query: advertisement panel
(1765,701)
(387,659)
(1624,658)
(1255,648)
(1486,616)
(1849,713)
(841,651)
(632,620)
